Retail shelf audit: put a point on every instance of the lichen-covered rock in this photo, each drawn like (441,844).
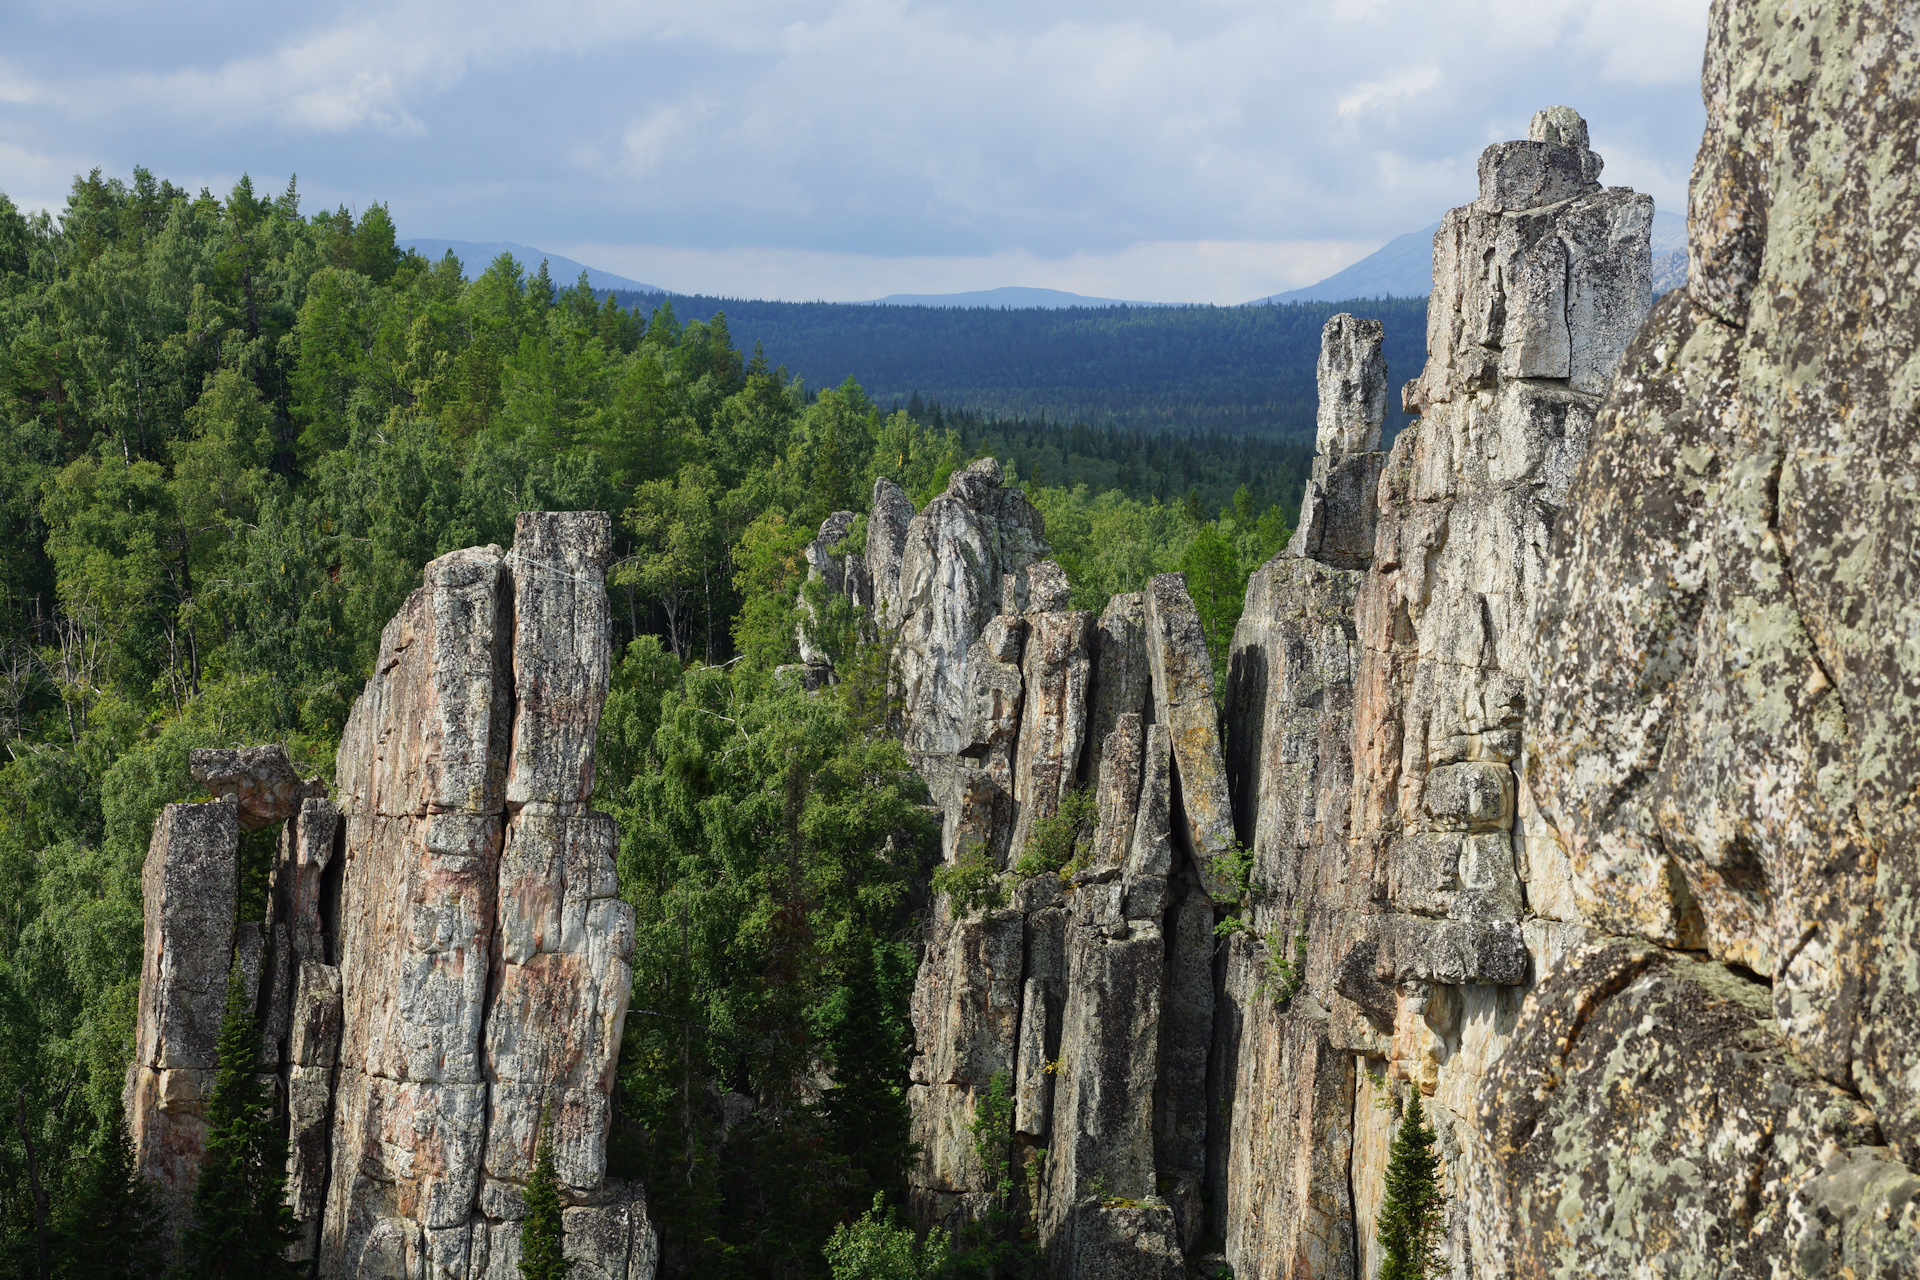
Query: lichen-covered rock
(1182,673)
(1648,1118)
(562,637)
(1119,1239)
(1057,672)
(260,780)
(1723,710)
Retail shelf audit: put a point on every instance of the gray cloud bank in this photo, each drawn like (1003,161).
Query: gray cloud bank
(1211,151)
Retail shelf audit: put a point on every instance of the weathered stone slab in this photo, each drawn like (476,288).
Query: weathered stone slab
(430,734)
(1183,701)
(562,637)
(1057,671)
(951,564)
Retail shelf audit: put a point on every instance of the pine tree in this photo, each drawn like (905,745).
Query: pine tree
(110,1229)
(542,1256)
(1413,1213)
(242,1226)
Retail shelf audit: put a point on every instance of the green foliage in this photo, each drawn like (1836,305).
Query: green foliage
(541,1233)
(230,436)
(972,881)
(1057,843)
(241,1223)
(110,1227)
(1286,973)
(878,1247)
(1217,580)
(995,1245)
(768,846)
(1412,1215)
(1237,865)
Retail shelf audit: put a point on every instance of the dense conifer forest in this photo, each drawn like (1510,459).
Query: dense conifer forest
(232,432)
(1234,370)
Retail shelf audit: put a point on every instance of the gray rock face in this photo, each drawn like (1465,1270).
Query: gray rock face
(446,952)
(886,542)
(188,887)
(1723,706)
(951,563)
(1352,378)
(1090,991)
(1374,715)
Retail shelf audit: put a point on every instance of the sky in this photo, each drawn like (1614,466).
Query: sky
(1197,151)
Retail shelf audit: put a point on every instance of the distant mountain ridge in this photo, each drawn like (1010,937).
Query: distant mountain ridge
(477,255)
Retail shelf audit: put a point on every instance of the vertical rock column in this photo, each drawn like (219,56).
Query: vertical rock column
(1538,287)
(561,973)
(482,951)
(1286,1089)
(1375,713)
(421,770)
(188,887)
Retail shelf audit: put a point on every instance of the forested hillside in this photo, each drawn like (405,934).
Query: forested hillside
(230,436)
(1235,370)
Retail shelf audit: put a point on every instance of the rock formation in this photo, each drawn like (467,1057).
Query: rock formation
(444,966)
(1396,896)
(1724,712)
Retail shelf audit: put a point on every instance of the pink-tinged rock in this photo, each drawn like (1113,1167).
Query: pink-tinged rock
(430,733)
(307,846)
(562,981)
(417,924)
(188,886)
(260,780)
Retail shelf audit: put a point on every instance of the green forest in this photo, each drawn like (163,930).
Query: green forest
(231,434)
(1246,370)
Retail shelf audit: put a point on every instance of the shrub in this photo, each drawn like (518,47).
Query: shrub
(971,881)
(1058,843)
(878,1247)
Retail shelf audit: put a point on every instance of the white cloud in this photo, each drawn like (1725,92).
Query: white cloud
(1016,136)
(1390,92)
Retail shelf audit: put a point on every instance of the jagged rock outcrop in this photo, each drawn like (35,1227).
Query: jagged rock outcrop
(1090,994)
(1375,709)
(1724,711)
(445,959)
(260,780)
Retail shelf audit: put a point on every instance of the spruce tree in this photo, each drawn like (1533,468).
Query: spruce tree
(1413,1213)
(242,1225)
(110,1229)
(542,1240)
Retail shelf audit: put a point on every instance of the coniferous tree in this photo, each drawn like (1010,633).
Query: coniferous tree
(110,1229)
(1413,1213)
(242,1226)
(542,1240)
